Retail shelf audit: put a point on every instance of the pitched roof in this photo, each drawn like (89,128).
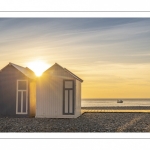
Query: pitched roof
(66,70)
(73,75)
(26,71)
(29,70)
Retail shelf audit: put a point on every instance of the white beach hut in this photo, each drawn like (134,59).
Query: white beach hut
(58,94)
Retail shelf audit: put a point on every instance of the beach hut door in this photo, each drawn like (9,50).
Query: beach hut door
(22,97)
(68,98)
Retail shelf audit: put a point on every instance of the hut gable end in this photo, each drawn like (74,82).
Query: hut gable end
(10,71)
(58,71)
(24,71)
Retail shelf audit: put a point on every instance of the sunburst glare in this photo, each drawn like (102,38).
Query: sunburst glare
(38,67)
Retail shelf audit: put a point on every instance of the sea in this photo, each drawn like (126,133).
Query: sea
(105,102)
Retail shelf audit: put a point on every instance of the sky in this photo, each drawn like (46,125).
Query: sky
(111,55)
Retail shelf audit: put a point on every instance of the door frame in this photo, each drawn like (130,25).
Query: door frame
(73,103)
(21,98)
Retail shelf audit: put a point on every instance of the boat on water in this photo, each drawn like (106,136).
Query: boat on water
(119,101)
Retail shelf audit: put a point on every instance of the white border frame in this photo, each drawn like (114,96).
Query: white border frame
(98,14)
(21,96)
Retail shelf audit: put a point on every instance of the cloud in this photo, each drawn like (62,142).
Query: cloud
(116,40)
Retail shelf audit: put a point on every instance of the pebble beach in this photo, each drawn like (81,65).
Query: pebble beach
(87,122)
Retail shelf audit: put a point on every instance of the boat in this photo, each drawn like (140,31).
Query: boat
(119,101)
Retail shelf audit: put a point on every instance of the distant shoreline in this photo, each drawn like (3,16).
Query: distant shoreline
(114,102)
(114,98)
(117,108)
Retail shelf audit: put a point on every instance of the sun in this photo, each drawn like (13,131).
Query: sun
(38,67)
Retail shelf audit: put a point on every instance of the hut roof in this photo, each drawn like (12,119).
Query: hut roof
(66,70)
(26,71)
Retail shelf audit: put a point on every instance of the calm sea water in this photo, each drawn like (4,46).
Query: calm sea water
(113,102)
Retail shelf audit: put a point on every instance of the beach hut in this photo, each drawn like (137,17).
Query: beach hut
(17,91)
(58,94)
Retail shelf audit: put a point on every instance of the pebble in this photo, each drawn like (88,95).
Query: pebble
(87,122)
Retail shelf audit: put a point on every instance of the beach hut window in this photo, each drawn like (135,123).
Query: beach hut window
(21,98)
(68,84)
(68,99)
